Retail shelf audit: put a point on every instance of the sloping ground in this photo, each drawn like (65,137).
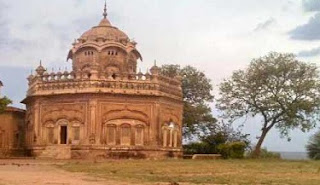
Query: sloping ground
(233,172)
(183,172)
(32,172)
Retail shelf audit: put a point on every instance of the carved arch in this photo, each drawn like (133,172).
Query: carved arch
(136,53)
(85,47)
(56,115)
(114,46)
(125,114)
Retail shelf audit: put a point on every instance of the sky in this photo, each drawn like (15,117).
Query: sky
(215,36)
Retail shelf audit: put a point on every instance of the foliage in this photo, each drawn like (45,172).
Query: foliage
(199,148)
(4,102)
(196,87)
(264,154)
(313,147)
(233,150)
(281,90)
(224,134)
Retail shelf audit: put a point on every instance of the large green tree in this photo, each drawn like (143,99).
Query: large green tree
(196,87)
(278,88)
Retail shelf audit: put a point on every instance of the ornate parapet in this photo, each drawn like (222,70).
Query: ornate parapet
(133,84)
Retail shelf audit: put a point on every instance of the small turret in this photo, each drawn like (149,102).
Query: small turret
(155,70)
(40,69)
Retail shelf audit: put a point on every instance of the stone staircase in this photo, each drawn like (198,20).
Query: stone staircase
(56,152)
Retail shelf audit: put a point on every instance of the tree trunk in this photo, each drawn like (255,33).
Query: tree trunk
(257,150)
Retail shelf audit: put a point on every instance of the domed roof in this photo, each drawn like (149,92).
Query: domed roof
(105,31)
(104,35)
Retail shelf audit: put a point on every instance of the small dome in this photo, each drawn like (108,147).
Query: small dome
(105,31)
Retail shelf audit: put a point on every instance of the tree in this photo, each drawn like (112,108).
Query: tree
(283,91)
(313,147)
(196,87)
(4,102)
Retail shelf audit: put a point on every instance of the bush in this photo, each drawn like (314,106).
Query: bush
(237,150)
(313,147)
(4,102)
(198,148)
(265,154)
(233,150)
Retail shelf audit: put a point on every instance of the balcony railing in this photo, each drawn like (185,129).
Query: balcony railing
(71,82)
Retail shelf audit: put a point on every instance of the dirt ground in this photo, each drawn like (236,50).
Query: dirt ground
(32,172)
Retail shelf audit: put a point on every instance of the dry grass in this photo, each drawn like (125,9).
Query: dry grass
(233,172)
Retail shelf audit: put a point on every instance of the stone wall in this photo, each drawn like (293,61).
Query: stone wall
(99,123)
(12,132)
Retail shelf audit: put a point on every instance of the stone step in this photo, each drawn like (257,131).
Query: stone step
(56,152)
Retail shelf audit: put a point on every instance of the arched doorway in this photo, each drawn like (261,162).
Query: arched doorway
(63,132)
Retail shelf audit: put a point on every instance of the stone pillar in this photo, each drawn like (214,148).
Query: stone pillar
(36,137)
(155,126)
(92,123)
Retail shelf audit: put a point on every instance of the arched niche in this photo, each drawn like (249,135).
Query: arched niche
(63,131)
(124,132)
(170,132)
(126,115)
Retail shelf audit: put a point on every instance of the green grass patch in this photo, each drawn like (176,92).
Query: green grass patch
(244,172)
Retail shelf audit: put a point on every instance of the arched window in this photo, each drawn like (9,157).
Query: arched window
(111,134)
(126,135)
(139,135)
(165,138)
(170,134)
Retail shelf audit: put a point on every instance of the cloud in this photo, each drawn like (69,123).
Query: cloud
(288,5)
(309,31)
(15,83)
(7,41)
(311,5)
(265,25)
(309,53)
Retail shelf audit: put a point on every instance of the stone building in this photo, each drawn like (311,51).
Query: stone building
(12,132)
(104,107)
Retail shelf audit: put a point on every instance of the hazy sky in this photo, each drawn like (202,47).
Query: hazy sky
(216,36)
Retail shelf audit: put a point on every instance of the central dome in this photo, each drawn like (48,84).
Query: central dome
(106,32)
(104,51)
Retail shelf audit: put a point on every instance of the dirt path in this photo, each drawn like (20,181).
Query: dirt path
(31,172)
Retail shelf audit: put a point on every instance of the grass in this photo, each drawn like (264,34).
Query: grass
(244,172)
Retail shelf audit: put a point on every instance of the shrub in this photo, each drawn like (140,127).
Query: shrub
(313,147)
(198,148)
(237,150)
(4,102)
(224,150)
(265,154)
(233,150)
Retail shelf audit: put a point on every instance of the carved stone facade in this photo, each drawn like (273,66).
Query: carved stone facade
(103,107)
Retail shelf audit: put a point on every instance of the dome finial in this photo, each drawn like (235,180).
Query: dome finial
(105,10)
